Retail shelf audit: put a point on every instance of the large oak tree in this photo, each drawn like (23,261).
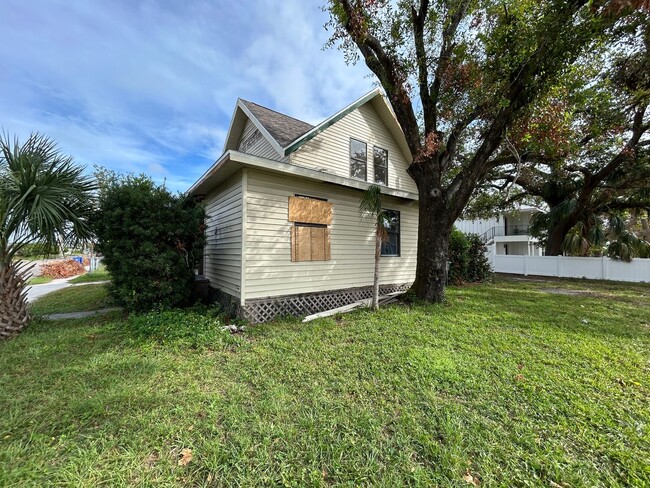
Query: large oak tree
(458,73)
(583,148)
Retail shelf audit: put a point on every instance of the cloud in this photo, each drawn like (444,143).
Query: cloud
(150,86)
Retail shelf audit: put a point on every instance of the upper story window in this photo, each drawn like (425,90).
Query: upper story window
(358,159)
(390,245)
(380,159)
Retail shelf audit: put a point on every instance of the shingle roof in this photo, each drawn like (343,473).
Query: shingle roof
(283,129)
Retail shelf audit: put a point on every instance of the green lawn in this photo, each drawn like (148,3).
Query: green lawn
(99,275)
(39,280)
(514,384)
(72,299)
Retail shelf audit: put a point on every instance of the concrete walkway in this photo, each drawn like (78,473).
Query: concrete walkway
(79,315)
(37,291)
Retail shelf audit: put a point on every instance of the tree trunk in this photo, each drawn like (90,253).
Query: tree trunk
(556,235)
(14,316)
(434,228)
(375,283)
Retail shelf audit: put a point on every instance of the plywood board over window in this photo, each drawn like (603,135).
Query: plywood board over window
(310,237)
(310,211)
(310,243)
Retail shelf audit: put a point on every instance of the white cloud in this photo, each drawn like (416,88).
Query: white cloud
(150,86)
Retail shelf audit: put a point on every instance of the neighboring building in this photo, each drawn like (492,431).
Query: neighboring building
(506,234)
(284,235)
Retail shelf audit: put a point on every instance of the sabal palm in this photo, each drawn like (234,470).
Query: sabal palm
(43,195)
(371,206)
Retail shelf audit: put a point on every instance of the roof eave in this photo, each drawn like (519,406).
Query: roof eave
(329,122)
(256,162)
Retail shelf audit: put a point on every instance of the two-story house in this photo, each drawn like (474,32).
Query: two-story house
(506,234)
(284,234)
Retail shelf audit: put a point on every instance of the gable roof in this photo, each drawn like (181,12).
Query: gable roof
(283,128)
(286,134)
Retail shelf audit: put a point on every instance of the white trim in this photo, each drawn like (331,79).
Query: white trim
(230,126)
(244,192)
(211,170)
(260,127)
(248,160)
(329,120)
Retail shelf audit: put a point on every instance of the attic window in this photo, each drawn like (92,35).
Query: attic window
(358,159)
(310,237)
(380,159)
(250,141)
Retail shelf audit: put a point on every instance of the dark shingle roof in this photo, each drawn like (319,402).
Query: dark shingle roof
(283,129)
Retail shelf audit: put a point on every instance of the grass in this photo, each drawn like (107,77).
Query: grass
(514,384)
(72,299)
(39,280)
(99,275)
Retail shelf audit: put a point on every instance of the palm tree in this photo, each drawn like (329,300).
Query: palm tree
(370,206)
(44,197)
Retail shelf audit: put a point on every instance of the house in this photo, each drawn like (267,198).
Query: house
(284,235)
(507,234)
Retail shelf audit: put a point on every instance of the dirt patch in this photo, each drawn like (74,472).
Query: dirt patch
(564,291)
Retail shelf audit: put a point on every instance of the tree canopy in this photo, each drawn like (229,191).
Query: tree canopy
(458,75)
(582,149)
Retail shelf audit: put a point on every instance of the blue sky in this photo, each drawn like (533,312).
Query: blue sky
(150,86)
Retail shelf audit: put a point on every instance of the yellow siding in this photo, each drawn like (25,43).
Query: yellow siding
(330,150)
(262,148)
(223,249)
(269,270)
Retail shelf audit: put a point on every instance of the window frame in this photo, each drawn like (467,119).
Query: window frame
(358,160)
(398,233)
(374,164)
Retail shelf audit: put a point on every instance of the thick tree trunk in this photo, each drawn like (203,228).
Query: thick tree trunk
(375,284)
(433,248)
(556,235)
(14,316)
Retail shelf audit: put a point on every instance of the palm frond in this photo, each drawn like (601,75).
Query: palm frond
(44,195)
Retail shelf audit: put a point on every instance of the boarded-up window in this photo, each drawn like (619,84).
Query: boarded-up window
(310,242)
(310,237)
(310,210)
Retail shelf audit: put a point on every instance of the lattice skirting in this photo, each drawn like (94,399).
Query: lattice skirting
(265,309)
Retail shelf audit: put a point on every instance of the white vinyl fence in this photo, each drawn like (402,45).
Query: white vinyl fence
(573,267)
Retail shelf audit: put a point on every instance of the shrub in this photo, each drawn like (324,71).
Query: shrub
(180,328)
(151,241)
(479,268)
(468,262)
(458,257)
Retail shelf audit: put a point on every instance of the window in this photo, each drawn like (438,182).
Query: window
(380,157)
(390,245)
(358,159)
(310,237)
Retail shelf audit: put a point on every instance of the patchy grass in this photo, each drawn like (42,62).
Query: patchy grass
(39,280)
(99,275)
(72,299)
(506,383)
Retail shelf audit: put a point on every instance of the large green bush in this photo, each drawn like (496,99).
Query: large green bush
(467,260)
(151,241)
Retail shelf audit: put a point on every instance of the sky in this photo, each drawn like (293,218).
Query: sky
(150,86)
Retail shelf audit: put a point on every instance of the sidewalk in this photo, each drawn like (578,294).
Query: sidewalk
(37,291)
